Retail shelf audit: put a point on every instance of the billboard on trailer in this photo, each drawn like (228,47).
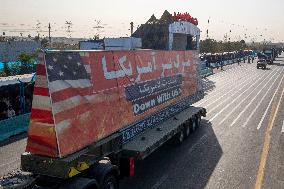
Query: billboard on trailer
(90,95)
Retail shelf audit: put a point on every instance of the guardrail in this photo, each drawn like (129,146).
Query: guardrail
(206,72)
(14,126)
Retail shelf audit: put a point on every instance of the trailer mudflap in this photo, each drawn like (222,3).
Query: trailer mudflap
(148,141)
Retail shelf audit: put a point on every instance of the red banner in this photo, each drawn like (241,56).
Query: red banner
(95,94)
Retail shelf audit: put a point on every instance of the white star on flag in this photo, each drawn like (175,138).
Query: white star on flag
(61,73)
(50,67)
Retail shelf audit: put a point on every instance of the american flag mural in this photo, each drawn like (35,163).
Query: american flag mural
(83,96)
(42,136)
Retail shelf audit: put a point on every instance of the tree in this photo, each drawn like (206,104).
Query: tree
(2,74)
(213,46)
(6,69)
(96,37)
(27,63)
(44,43)
(36,38)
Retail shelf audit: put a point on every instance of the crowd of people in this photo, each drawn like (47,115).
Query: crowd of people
(221,59)
(13,103)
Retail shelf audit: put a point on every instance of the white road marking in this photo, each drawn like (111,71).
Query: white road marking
(201,141)
(235,69)
(282,131)
(225,73)
(160,182)
(233,89)
(259,103)
(234,109)
(263,116)
(224,78)
(226,84)
(252,100)
(236,89)
(229,104)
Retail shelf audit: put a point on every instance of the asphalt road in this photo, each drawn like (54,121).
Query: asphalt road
(10,154)
(240,143)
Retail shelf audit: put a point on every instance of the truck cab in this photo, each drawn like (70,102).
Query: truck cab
(270,55)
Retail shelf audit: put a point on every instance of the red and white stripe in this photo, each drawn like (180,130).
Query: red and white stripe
(71,99)
(41,108)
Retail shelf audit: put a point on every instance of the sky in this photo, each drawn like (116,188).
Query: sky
(251,20)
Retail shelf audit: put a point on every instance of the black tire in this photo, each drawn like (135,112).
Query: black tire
(198,121)
(186,129)
(179,138)
(193,125)
(110,182)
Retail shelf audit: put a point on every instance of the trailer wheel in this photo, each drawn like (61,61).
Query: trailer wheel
(179,138)
(193,126)
(198,121)
(110,182)
(186,129)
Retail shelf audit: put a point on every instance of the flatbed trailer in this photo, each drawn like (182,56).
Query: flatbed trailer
(101,165)
(96,113)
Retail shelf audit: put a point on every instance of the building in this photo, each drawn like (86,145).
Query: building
(168,33)
(10,51)
(123,43)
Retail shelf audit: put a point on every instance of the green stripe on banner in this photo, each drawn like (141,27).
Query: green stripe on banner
(14,126)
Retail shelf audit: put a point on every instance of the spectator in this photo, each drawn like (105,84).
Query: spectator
(3,110)
(10,112)
(239,60)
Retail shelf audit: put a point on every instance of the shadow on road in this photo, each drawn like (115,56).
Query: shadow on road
(189,165)
(13,139)
(208,85)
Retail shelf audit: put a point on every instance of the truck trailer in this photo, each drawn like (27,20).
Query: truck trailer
(96,113)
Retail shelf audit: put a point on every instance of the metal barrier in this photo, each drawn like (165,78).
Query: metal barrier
(206,72)
(14,126)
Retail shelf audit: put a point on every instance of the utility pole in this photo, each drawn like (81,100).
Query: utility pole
(38,28)
(131,28)
(49,37)
(69,25)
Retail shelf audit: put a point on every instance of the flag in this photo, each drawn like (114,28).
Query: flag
(70,87)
